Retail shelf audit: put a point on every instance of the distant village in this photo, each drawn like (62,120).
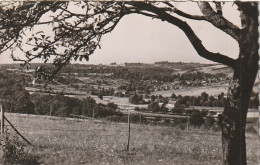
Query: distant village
(161,88)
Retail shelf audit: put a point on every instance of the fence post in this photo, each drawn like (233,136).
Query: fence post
(51,109)
(128,141)
(2,120)
(140,118)
(188,120)
(2,135)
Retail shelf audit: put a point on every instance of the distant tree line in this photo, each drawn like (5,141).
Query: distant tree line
(18,100)
(60,105)
(182,102)
(203,100)
(138,72)
(162,74)
(209,101)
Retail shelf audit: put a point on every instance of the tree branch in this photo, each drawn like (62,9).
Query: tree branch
(219,21)
(183,14)
(195,41)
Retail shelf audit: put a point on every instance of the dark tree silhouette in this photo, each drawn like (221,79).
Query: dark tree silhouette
(77,34)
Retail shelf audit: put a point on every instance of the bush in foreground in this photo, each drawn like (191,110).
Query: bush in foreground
(14,152)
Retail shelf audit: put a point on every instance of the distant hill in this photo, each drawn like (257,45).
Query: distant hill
(175,67)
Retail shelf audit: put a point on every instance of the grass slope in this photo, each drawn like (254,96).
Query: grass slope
(102,142)
(195,91)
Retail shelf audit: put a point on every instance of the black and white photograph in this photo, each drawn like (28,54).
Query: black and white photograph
(129,82)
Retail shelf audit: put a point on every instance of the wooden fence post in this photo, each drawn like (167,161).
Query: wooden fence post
(2,135)
(51,109)
(2,121)
(188,120)
(128,141)
(140,118)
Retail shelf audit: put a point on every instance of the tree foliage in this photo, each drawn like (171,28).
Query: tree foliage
(78,27)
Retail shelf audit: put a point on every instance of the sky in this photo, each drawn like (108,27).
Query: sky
(139,38)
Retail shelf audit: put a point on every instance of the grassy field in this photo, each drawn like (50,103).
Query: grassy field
(195,91)
(102,142)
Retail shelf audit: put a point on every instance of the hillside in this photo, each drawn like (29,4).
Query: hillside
(64,142)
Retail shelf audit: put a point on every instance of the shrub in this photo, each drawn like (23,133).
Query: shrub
(14,152)
(178,110)
(136,99)
(104,111)
(209,122)
(196,118)
(154,107)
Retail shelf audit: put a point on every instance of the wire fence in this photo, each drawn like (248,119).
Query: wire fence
(3,119)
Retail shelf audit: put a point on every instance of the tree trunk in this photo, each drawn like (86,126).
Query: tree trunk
(233,131)
(233,119)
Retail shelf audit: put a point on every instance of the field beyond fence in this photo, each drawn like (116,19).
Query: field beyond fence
(62,141)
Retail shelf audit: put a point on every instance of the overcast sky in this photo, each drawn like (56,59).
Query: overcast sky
(143,39)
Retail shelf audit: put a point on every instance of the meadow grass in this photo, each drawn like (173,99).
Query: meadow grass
(213,90)
(104,142)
